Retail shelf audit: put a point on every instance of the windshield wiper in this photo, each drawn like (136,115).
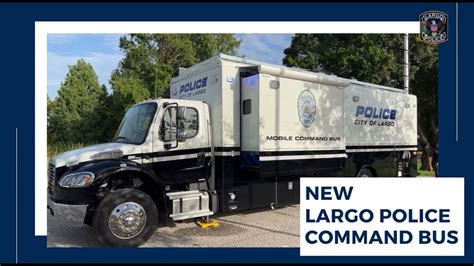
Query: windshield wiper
(122,137)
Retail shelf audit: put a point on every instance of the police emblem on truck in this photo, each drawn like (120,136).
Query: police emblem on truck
(306,108)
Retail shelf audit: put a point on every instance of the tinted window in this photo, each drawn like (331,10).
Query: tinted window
(247,106)
(135,124)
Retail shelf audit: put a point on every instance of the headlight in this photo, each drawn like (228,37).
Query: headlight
(77,180)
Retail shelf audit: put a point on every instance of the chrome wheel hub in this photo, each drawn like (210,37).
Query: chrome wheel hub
(127,220)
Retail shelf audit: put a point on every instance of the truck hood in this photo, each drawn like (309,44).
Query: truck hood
(89,153)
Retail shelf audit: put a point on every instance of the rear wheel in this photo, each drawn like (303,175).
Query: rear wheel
(125,218)
(365,172)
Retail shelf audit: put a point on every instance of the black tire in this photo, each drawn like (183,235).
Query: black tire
(365,172)
(117,198)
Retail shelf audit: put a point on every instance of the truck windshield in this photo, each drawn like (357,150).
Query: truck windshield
(135,124)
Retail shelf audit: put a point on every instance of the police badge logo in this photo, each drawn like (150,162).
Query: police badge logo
(306,108)
(433,27)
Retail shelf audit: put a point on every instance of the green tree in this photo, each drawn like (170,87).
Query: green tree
(50,130)
(149,63)
(74,115)
(208,45)
(154,58)
(424,58)
(375,58)
(127,91)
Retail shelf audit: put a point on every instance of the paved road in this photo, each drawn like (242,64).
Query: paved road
(261,228)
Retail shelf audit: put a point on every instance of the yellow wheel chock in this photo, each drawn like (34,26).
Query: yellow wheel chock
(207,223)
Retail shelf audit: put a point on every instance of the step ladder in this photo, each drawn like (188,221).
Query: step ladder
(189,204)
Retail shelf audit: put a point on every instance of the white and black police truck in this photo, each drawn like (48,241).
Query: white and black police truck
(234,134)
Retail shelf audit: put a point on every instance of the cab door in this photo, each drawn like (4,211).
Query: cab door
(181,152)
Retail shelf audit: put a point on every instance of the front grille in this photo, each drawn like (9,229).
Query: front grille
(51,176)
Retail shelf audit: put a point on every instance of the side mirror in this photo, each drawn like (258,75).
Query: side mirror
(182,136)
(181,130)
(182,113)
(172,125)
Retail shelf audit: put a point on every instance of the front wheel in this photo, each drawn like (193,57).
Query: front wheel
(125,218)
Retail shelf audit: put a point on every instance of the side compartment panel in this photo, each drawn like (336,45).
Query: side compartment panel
(379,117)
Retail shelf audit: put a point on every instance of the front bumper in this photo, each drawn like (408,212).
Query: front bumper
(67,213)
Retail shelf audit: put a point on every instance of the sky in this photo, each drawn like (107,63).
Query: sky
(103,53)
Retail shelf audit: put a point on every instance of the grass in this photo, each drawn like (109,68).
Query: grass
(423,172)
